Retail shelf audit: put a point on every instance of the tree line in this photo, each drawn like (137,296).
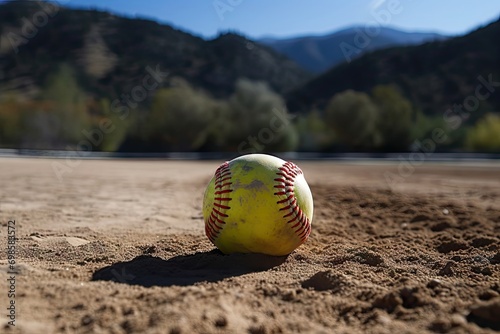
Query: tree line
(253,119)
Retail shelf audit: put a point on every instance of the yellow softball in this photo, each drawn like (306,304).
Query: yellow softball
(258,203)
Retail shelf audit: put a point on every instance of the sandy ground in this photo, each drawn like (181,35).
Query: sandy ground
(118,246)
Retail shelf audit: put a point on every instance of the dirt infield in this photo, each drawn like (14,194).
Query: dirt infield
(117,246)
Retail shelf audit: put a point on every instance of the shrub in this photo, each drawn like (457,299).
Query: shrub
(179,119)
(394,124)
(67,117)
(314,134)
(485,135)
(255,111)
(353,117)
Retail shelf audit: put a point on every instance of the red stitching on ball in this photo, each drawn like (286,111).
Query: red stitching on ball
(219,212)
(293,219)
(220,192)
(225,207)
(220,205)
(285,183)
(286,199)
(222,185)
(292,204)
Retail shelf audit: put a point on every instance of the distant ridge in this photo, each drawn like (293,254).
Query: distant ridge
(110,53)
(318,53)
(434,76)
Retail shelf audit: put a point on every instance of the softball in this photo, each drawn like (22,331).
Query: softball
(258,203)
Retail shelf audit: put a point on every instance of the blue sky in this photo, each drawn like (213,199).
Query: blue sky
(257,18)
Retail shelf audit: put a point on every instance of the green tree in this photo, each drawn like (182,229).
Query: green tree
(314,134)
(110,126)
(179,119)
(67,116)
(10,122)
(353,117)
(394,123)
(220,127)
(485,135)
(255,111)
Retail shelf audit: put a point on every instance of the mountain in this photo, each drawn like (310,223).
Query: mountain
(319,53)
(110,53)
(434,76)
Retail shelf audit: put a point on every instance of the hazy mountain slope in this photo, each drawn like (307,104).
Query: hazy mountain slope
(111,53)
(433,75)
(318,53)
